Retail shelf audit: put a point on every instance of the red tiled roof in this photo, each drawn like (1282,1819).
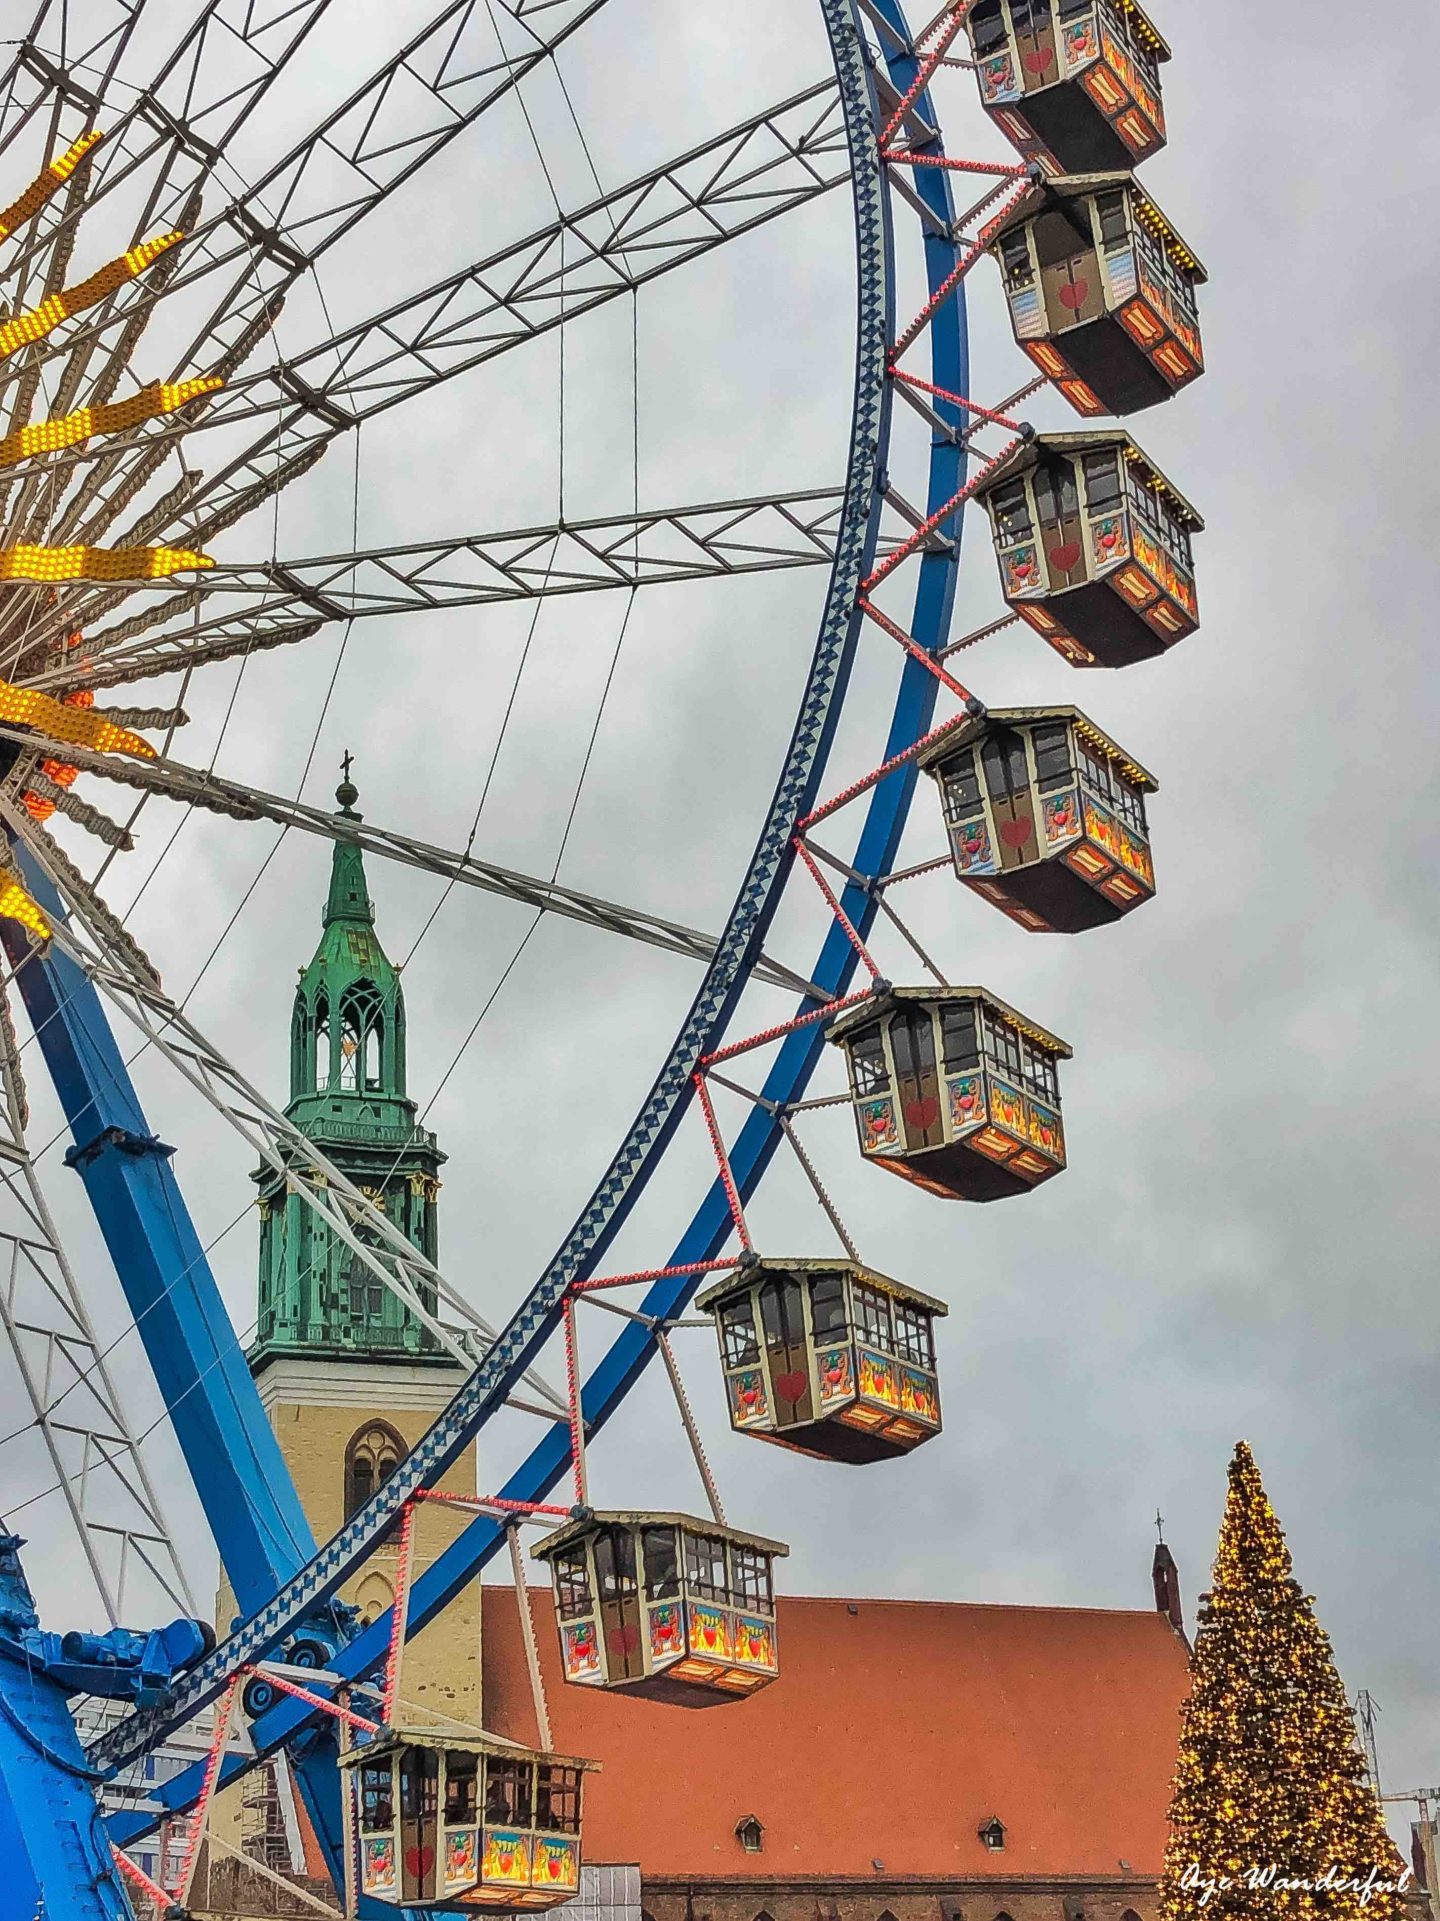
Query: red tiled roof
(895,1730)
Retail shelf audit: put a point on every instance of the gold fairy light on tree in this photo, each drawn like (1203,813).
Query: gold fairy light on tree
(1272,1810)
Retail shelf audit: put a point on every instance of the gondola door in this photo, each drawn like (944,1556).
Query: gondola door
(419,1823)
(787,1352)
(1062,536)
(619,1591)
(1035,42)
(912,1043)
(1074,287)
(1012,799)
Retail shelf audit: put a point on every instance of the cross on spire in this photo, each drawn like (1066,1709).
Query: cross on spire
(1159,1526)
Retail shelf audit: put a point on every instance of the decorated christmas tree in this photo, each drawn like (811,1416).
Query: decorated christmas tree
(1272,1814)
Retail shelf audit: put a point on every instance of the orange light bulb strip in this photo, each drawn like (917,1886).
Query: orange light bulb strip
(28,707)
(55,565)
(42,320)
(40,189)
(69,430)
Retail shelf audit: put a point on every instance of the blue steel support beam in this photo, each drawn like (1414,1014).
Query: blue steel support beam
(232,1455)
(54,1851)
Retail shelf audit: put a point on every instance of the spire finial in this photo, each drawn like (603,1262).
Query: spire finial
(1159,1527)
(347,793)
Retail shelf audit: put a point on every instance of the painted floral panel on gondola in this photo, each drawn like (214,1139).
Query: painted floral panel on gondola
(1045,1131)
(506,1858)
(378,1866)
(1184,591)
(755,1641)
(997,79)
(1109,539)
(967,1101)
(748,1400)
(1007,1108)
(667,1632)
(462,1857)
(581,1649)
(837,1374)
(1062,817)
(879,1379)
(557,1862)
(1022,572)
(1081,44)
(920,1395)
(710,1631)
(974,853)
(877,1121)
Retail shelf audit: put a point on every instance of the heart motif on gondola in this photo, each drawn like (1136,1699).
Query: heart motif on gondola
(1064,557)
(792,1387)
(1015,833)
(419,1861)
(922,1114)
(1074,294)
(553,1867)
(624,1639)
(1039,59)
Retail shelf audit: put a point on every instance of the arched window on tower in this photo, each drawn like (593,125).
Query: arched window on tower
(322,1044)
(362,1036)
(372,1457)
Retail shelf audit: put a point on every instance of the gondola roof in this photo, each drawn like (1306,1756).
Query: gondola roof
(576,1530)
(1071,186)
(1027,455)
(743,1277)
(893,997)
(966,729)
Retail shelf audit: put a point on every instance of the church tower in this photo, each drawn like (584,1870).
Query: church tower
(349,1378)
(348,1095)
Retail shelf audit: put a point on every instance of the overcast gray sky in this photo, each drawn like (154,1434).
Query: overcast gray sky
(1244,1243)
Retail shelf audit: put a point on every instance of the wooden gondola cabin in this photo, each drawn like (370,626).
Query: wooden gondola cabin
(664,1605)
(1094,547)
(1073,84)
(466,1822)
(1046,817)
(827,1357)
(1101,291)
(954,1090)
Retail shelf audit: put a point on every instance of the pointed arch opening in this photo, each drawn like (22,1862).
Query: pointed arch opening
(320,1054)
(374,1453)
(362,1039)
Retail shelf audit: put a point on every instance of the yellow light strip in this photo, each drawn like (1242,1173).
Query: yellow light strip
(40,190)
(16,904)
(68,430)
(42,320)
(56,564)
(81,726)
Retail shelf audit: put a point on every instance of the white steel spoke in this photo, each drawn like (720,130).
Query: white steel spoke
(89,1442)
(196,788)
(119,972)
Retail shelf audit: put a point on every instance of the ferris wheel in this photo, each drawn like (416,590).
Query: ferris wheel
(152,424)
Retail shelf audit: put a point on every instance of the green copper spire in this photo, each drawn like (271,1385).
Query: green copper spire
(347,1092)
